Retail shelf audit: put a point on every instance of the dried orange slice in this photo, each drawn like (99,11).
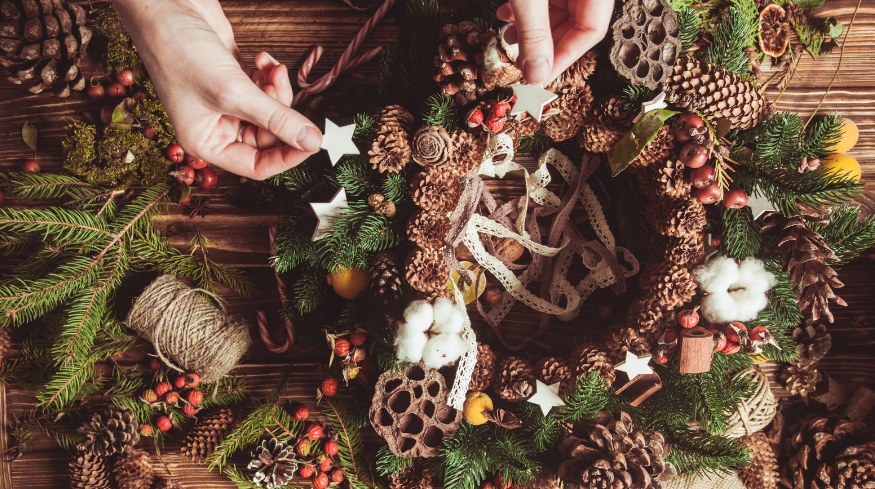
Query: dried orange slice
(470,292)
(774,30)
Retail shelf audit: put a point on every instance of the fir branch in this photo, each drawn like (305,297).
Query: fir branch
(742,236)
(45,186)
(689,26)
(230,391)
(786,188)
(535,143)
(635,95)
(351,452)
(84,315)
(702,453)
(364,125)
(74,380)
(730,39)
(355,175)
(846,234)
(438,110)
(56,224)
(390,464)
(308,292)
(48,422)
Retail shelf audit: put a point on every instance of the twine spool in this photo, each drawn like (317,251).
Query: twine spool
(756,411)
(708,481)
(189,333)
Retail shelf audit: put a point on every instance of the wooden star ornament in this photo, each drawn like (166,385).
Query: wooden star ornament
(546,396)
(634,365)
(531,99)
(338,141)
(327,212)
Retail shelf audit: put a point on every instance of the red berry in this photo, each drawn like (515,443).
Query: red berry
(195,162)
(684,124)
(184,175)
(735,198)
(660,357)
(716,241)
(325,466)
(96,92)
(330,386)
(703,177)
(337,475)
(139,96)
(195,397)
(192,380)
(689,318)
(341,347)
(314,432)
(179,382)
(303,447)
(331,447)
(307,471)
(321,481)
(206,178)
(730,348)
(164,423)
(154,364)
(162,388)
(358,355)
(474,118)
(146,430)
(708,195)
(149,133)
(115,90)
(106,114)
(734,329)
(494,296)
(175,153)
(694,155)
(358,339)
(125,77)
(302,413)
(190,410)
(759,333)
(171,397)
(31,166)
(149,396)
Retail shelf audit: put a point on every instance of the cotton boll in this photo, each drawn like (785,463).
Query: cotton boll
(443,349)
(717,274)
(409,343)
(754,276)
(420,315)
(718,307)
(447,320)
(443,307)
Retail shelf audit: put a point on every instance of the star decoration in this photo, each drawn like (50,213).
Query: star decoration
(759,205)
(338,141)
(326,212)
(657,103)
(199,207)
(546,396)
(836,394)
(634,365)
(531,99)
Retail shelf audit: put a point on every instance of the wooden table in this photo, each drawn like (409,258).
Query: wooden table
(289,29)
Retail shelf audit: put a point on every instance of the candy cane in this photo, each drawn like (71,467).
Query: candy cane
(262,317)
(345,63)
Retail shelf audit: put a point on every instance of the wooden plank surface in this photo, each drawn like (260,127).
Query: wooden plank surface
(289,29)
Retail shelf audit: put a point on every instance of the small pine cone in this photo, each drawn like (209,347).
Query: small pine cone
(484,370)
(428,229)
(613,110)
(432,146)
(514,379)
(577,74)
(687,250)
(133,471)
(113,430)
(762,473)
(665,180)
(813,342)
(429,190)
(620,340)
(599,137)
(386,278)
(574,104)
(590,357)
(209,431)
(414,477)
(545,481)
(426,270)
(670,284)
(390,152)
(394,117)
(522,129)
(468,148)
(801,380)
(651,317)
(551,370)
(89,470)
(677,217)
(657,152)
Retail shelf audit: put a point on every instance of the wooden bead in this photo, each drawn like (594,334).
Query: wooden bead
(697,346)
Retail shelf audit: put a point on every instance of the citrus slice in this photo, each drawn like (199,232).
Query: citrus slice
(774,33)
(470,292)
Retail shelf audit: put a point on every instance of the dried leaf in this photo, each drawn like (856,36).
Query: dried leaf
(29,134)
(630,146)
(504,419)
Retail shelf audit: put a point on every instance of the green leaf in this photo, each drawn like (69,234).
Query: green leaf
(29,134)
(834,28)
(630,146)
(809,3)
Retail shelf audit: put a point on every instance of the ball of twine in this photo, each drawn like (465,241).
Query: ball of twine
(753,413)
(189,333)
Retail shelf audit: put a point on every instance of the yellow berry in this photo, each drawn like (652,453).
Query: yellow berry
(349,282)
(841,166)
(848,138)
(477,404)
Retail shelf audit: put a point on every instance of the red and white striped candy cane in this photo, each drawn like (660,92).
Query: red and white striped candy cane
(262,317)
(345,63)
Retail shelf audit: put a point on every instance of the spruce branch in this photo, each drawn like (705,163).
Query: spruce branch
(743,236)
(390,464)
(689,26)
(438,110)
(846,234)
(45,186)
(730,39)
(351,453)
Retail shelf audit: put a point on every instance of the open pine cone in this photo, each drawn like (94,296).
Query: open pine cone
(677,217)
(435,190)
(762,473)
(655,154)
(801,380)
(89,470)
(672,285)
(484,370)
(514,379)
(390,151)
(813,342)
(608,122)
(133,471)
(274,464)
(590,357)
(111,431)
(573,104)
(432,146)
(428,229)
(551,370)
(620,340)
(828,452)
(577,74)
(427,272)
(686,250)
(386,278)
(210,430)
(467,153)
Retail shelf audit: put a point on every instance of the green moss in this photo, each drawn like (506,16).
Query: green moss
(120,52)
(151,112)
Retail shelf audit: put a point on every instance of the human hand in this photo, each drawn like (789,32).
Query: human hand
(211,95)
(553,34)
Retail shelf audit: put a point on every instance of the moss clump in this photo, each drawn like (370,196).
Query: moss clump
(120,52)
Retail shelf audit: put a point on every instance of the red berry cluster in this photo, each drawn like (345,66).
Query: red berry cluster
(194,171)
(317,466)
(734,338)
(183,389)
(350,348)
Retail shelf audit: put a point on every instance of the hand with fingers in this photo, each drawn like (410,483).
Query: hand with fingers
(553,34)
(222,111)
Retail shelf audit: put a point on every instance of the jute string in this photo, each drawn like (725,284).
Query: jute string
(755,412)
(189,333)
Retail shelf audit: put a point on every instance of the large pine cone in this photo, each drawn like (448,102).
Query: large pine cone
(515,379)
(615,456)
(590,357)
(762,473)
(133,471)
(620,340)
(274,463)
(686,250)
(432,146)
(111,431)
(574,104)
(427,272)
(414,477)
(458,71)
(468,149)
(672,285)
(677,217)
(551,370)
(210,430)
(545,481)
(435,190)
(828,452)
(89,470)
(428,229)
(813,342)
(386,278)
(716,93)
(390,151)
(655,154)
(484,370)
(577,74)
(42,42)
(608,122)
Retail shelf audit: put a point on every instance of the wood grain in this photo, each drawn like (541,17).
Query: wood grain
(289,29)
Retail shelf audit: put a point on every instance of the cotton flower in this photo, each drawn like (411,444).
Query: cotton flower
(734,291)
(431,334)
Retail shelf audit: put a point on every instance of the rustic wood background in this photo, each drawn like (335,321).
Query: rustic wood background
(289,29)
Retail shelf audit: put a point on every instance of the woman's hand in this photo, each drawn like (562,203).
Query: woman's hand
(211,95)
(553,34)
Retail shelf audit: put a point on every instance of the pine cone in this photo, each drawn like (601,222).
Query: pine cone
(468,148)
(211,428)
(665,180)
(414,477)
(677,217)
(716,93)
(432,146)
(133,471)
(620,340)
(672,285)
(762,473)
(43,43)
(687,250)
(435,190)
(484,370)
(274,463)
(610,120)
(813,342)
(590,357)
(545,481)
(806,255)
(551,370)
(614,455)
(111,431)
(89,470)
(650,317)
(390,151)
(573,105)
(428,229)
(656,154)
(828,452)
(463,72)
(5,342)
(577,74)
(426,270)
(801,380)
(515,380)
(386,278)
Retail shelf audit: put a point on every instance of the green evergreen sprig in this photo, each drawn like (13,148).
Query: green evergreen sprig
(743,237)
(846,234)
(351,449)
(732,36)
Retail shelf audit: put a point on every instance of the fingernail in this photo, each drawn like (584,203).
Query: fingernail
(309,140)
(537,70)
